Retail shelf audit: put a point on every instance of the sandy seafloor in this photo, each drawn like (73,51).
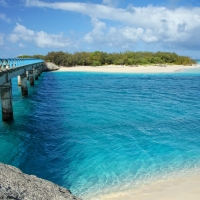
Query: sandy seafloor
(184,187)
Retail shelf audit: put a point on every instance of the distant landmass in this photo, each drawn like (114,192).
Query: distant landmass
(99,58)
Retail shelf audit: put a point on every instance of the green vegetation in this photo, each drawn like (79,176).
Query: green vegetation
(99,58)
(34,56)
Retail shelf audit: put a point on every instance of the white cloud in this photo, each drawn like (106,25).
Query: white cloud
(41,39)
(96,35)
(147,24)
(4,17)
(21,32)
(124,36)
(93,10)
(144,16)
(21,45)
(148,36)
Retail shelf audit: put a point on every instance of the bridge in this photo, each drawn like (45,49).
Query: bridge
(25,69)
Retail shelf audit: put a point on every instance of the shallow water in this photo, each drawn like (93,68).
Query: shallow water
(94,133)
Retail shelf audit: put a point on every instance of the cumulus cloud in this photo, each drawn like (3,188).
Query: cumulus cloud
(97,34)
(43,39)
(4,17)
(21,32)
(124,36)
(40,38)
(147,24)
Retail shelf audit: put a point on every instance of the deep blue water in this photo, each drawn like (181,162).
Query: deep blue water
(93,132)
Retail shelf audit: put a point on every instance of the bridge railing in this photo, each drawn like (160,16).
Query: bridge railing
(6,63)
(25,69)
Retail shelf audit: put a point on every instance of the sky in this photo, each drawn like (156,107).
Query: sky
(30,27)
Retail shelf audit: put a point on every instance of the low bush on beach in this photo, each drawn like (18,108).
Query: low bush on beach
(99,58)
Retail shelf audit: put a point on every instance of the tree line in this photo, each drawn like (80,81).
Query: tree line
(99,58)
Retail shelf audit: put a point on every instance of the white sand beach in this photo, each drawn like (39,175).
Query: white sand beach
(183,188)
(128,69)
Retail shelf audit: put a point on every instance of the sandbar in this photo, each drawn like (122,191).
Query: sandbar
(128,69)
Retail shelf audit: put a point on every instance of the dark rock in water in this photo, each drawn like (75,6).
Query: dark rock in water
(48,66)
(14,184)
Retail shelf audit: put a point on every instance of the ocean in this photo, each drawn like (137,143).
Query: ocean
(97,133)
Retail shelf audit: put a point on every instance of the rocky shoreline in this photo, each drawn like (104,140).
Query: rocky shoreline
(48,66)
(14,184)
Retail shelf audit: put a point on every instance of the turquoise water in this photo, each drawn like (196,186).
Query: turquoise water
(93,132)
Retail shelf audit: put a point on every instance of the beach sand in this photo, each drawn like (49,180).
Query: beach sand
(128,69)
(183,188)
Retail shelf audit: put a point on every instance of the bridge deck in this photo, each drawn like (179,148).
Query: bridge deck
(12,67)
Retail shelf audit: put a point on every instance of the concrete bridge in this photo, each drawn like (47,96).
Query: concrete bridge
(25,69)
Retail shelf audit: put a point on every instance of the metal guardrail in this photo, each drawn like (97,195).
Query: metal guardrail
(7,63)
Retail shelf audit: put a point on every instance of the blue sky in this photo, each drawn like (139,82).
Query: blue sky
(41,26)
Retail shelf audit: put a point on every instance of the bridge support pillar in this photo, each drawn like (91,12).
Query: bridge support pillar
(24,87)
(19,80)
(31,77)
(27,75)
(39,71)
(6,101)
(36,74)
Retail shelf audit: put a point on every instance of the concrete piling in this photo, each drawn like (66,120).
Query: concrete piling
(6,101)
(27,75)
(36,74)
(31,77)
(19,80)
(24,86)
(39,71)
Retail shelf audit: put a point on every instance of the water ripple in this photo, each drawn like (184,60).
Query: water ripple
(94,133)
